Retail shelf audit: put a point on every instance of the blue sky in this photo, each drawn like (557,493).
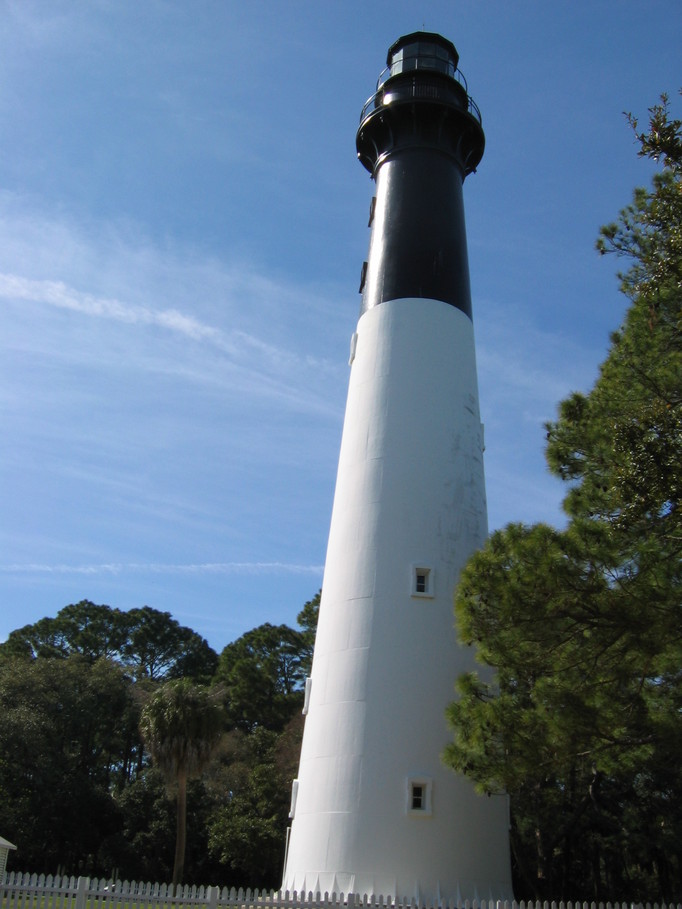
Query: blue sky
(182,227)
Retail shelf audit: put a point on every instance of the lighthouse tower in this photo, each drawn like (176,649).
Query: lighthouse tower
(373,809)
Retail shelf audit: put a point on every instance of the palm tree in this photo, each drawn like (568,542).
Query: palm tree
(182,724)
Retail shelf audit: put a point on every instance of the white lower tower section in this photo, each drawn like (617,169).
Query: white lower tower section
(374,809)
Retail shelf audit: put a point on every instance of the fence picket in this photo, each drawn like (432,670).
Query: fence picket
(22,890)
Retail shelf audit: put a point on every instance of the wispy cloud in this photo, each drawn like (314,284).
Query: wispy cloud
(116,568)
(60,295)
(269,362)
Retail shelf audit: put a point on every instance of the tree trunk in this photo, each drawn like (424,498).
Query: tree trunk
(180,830)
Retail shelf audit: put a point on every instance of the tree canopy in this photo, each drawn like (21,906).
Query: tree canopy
(578,716)
(83,793)
(149,643)
(263,672)
(67,743)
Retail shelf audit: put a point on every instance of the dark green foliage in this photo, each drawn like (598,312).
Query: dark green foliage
(84,628)
(182,724)
(263,672)
(157,647)
(579,717)
(149,643)
(77,788)
(142,849)
(64,749)
(307,619)
(247,835)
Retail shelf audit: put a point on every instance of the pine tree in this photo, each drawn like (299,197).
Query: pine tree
(581,720)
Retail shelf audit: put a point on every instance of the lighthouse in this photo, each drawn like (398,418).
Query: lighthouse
(374,810)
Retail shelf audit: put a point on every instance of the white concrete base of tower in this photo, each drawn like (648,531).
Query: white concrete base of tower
(375,811)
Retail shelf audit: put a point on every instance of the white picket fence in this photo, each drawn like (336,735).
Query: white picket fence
(33,891)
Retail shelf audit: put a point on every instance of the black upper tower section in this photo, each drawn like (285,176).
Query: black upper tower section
(420,134)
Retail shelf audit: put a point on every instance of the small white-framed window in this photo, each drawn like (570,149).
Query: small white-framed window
(422,581)
(294,797)
(306,695)
(419,796)
(353,347)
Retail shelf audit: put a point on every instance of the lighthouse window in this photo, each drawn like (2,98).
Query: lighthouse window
(353,347)
(372,209)
(422,55)
(422,581)
(306,696)
(419,796)
(294,797)
(363,277)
